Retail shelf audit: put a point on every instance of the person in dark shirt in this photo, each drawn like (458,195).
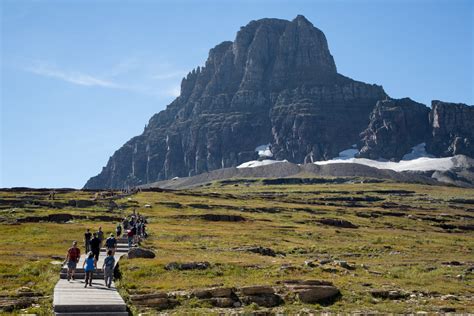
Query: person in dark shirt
(87,239)
(118,230)
(95,246)
(111,244)
(100,235)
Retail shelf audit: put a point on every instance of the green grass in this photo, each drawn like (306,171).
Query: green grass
(390,252)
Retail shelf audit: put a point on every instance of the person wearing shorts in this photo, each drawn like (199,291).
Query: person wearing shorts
(72,258)
(89,266)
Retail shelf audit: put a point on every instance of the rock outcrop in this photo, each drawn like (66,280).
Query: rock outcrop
(277,85)
(395,127)
(452,128)
(140,253)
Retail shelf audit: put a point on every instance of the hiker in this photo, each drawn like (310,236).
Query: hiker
(95,246)
(118,230)
(125,223)
(51,195)
(111,244)
(108,268)
(90,265)
(100,235)
(87,239)
(72,258)
(130,237)
(134,231)
(140,228)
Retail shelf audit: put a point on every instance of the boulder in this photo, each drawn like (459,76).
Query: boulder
(318,294)
(389,294)
(222,302)
(264,300)
(257,290)
(140,253)
(313,291)
(264,251)
(188,266)
(222,218)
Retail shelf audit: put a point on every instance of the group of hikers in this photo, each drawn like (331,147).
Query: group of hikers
(133,226)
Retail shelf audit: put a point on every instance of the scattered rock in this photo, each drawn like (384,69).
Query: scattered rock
(337,223)
(140,253)
(222,218)
(449,297)
(452,263)
(389,294)
(310,263)
(213,292)
(155,300)
(188,266)
(8,304)
(260,250)
(344,264)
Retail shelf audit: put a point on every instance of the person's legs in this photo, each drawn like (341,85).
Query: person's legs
(107,277)
(90,277)
(96,255)
(87,279)
(71,267)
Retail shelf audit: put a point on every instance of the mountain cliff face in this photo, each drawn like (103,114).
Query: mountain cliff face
(395,127)
(276,84)
(452,129)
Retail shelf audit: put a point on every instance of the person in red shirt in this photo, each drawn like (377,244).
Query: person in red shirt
(72,258)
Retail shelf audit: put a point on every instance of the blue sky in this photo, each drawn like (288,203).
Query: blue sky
(80,78)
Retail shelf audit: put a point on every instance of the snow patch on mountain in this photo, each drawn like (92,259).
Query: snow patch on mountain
(264,150)
(419,164)
(259,163)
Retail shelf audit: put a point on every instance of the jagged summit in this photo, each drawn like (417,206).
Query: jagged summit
(277,84)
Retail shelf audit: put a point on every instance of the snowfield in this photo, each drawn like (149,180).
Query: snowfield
(259,163)
(419,164)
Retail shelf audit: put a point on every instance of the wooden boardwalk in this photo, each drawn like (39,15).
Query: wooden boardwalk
(71,298)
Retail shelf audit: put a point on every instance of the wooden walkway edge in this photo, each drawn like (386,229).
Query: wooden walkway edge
(71,298)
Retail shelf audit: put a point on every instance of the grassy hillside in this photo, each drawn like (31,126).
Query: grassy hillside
(414,239)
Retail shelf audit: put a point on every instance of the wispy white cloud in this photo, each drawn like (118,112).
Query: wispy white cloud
(77,78)
(131,74)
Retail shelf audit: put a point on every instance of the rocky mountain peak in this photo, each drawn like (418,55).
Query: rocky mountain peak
(276,84)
